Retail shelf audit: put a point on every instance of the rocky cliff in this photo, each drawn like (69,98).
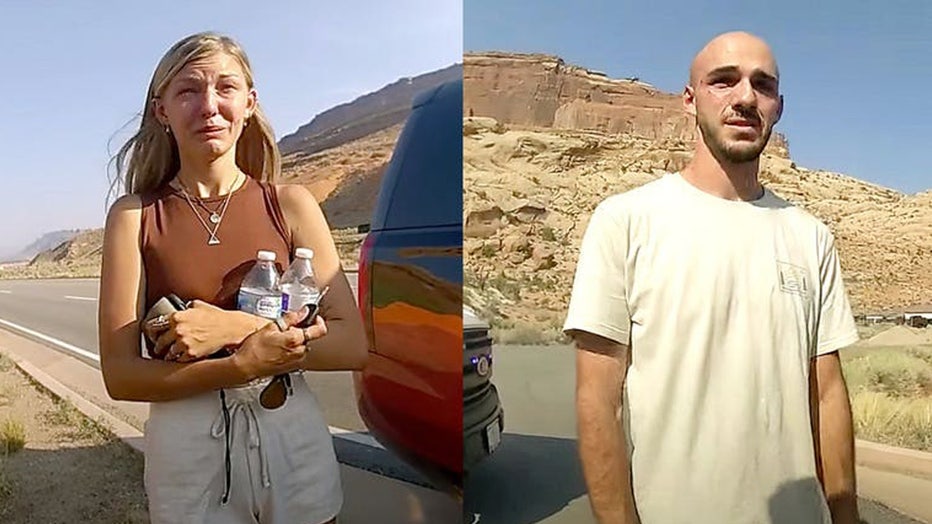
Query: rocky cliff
(537,90)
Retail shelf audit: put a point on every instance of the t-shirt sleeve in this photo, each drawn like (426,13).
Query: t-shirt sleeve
(599,300)
(836,322)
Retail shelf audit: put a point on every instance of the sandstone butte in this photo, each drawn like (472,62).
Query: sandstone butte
(545,141)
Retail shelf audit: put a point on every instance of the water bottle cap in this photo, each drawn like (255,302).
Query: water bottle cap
(304,252)
(266,256)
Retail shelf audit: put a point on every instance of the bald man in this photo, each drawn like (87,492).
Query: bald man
(708,314)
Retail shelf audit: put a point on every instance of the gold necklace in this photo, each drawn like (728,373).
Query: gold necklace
(213,214)
(212,239)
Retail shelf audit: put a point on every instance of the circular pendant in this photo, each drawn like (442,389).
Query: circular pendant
(214,218)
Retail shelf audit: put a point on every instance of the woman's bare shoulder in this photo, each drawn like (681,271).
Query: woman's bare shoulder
(295,196)
(126,203)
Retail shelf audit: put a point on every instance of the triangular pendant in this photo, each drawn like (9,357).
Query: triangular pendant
(213,241)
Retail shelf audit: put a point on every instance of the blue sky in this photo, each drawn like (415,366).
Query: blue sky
(856,76)
(75,73)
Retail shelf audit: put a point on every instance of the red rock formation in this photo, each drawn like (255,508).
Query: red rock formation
(543,91)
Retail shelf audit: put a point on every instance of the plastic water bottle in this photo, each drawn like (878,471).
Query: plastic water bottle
(298,284)
(260,293)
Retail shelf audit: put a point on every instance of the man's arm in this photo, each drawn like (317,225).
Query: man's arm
(601,367)
(834,437)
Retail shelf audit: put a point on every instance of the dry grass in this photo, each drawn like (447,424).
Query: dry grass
(68,468)
(891,394)
(545,330)
(74,425)
(12,436)
(900,372)
(902,422)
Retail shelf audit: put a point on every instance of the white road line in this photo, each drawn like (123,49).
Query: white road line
(345,434)
(5,292)
(92,299)
(54,341)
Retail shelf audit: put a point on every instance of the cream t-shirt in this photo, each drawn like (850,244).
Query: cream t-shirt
(724,304)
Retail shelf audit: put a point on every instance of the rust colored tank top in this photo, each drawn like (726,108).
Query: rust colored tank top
(178,259)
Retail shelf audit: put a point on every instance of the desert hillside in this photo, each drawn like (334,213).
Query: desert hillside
(344,179)
(531,184)
(43,243)
(368,114)
(76,257)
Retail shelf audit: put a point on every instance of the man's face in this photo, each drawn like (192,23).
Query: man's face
(735,97)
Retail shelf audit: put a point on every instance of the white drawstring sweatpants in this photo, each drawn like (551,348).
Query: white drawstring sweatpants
(283,466)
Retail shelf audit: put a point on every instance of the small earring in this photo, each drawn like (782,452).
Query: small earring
(168,130)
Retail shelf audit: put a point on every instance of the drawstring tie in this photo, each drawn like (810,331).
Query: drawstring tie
(223,427)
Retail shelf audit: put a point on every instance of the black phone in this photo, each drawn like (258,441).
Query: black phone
(313,309)
(176,301)
(164,306)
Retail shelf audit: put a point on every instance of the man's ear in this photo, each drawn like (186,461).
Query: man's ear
(779,111)
(689,100)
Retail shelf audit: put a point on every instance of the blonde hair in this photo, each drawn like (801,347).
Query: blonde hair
(150,158)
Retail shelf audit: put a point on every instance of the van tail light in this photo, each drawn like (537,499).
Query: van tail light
(364,291)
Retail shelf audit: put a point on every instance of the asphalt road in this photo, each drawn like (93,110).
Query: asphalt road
(536,386)
(63,309)
(66,310)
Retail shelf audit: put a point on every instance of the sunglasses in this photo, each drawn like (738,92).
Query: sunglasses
(276,392)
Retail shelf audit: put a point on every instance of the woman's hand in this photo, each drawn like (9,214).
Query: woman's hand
(199,331)
(271,351)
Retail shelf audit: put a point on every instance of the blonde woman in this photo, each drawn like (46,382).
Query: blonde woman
(201,201)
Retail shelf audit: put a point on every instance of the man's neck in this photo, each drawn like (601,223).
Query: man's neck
(722,179)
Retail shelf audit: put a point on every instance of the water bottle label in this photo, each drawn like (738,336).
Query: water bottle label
(295,300)
(268,306)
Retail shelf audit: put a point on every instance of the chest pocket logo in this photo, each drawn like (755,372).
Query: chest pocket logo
(793,279)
